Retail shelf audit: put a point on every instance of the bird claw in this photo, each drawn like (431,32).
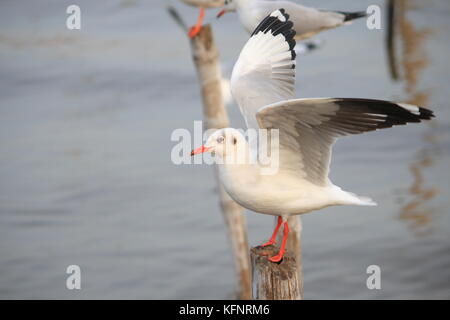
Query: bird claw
(278,258)
(268,243)
(198,26)
(193,31)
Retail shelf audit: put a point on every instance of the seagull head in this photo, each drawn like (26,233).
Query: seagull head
(230,6)
(224,143)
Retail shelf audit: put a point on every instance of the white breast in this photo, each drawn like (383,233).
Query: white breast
(272,194)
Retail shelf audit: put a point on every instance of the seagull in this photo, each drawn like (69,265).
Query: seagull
(300,49)
(262,83)
(307,21)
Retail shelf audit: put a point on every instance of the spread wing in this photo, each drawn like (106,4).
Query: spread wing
(309,127)
(265,71)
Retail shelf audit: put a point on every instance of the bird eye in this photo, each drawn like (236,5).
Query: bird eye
(234,140)
(220,139)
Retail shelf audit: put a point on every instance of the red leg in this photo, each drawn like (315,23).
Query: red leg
(274,234)
(196,29)
(280,254)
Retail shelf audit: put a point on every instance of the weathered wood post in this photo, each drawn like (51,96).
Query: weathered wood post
(274,281)
(294,245)
(206,59)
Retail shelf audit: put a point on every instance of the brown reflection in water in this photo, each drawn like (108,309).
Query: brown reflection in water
(417,212)
(414,55)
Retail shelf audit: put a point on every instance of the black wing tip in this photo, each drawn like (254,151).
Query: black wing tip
(349,16)
(397,113)
(426,114)
(278,22)
(273,21)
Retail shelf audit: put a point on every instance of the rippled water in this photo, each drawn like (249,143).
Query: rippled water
(86,176)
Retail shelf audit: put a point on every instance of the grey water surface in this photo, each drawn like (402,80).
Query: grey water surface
(86,176)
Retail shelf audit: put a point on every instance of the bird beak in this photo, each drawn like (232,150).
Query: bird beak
(201,150)
(221,13)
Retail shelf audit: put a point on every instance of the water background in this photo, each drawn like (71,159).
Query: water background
(86,177)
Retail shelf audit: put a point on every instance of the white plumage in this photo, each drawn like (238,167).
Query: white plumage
(263,74)
(307,21)
(263,85)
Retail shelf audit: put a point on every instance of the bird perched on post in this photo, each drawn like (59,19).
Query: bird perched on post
(302,48)
(262,84)
(307,20)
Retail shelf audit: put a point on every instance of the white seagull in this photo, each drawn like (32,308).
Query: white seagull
(262,84)
(307,21)
(301,48)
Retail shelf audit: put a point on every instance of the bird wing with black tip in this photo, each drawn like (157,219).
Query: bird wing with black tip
(265,71)
(312,125)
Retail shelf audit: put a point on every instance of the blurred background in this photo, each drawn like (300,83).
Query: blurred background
(86,177)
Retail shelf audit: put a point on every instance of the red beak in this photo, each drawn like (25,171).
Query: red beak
(200,150)
(221,13)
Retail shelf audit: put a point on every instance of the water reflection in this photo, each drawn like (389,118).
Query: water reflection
(417,212)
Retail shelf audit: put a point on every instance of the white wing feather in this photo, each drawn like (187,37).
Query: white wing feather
(265,71)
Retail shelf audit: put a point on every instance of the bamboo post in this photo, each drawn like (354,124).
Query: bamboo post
(206,59)
(274,281)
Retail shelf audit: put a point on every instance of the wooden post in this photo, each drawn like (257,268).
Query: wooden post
(274,281)
(393,9)
(206,59)
(294,245)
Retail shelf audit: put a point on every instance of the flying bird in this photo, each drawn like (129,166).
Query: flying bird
(262,83)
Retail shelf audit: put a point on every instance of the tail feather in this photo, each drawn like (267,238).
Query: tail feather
(349,16)
(349,198)
(362,201)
